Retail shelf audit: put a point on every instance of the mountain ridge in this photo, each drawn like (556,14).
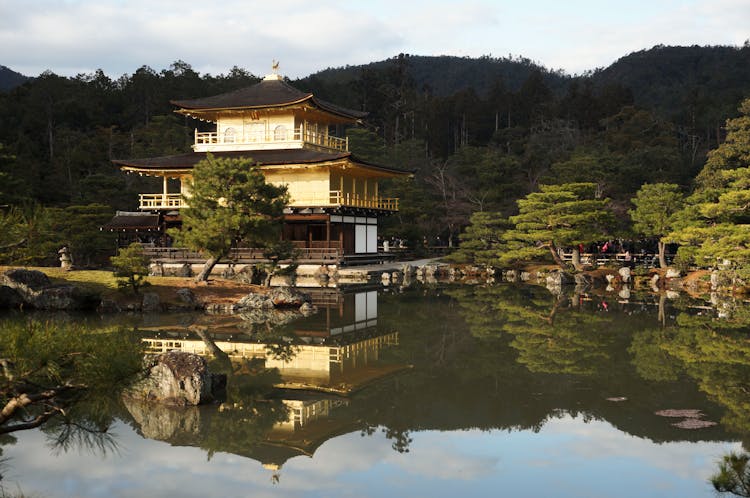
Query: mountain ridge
(10,79)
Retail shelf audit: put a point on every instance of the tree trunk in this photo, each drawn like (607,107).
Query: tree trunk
(662,309)
(577,259)
(269,276)
(662,255)
(221,357)
(553,250)
(207,267)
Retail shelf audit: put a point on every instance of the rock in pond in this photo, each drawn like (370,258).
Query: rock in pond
(151,302)
(177,378)
(278,297)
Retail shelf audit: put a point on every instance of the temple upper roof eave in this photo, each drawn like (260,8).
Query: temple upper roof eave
(267,94)
(182,164)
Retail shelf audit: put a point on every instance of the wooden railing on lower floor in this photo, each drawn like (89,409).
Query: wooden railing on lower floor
(244,255)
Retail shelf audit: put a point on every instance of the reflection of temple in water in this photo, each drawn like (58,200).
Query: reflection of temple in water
(335,350)
(310,424)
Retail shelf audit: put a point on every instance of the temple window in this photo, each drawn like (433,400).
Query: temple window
(279,133)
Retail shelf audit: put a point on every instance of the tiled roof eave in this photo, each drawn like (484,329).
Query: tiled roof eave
(184,108)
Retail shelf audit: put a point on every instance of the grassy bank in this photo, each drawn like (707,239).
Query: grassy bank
(104,284)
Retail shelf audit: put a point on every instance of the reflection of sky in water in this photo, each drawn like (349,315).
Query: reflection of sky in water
(567,458)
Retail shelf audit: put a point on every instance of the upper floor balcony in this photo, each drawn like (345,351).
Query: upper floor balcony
(333,198)
(280,137)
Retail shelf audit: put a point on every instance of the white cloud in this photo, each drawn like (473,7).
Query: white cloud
(121,35)
(576,458)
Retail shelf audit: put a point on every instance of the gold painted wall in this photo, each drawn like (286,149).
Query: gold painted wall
(353,184)
(303,185)
(245,124)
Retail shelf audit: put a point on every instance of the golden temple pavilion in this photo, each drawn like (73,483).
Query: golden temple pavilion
(335,202)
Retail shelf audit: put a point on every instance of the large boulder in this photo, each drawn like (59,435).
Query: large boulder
(26,282)
(288,297)
(62,297)
(36,291)
(151,302)
(253,301)
(177,378)
(278,297)
(9,298)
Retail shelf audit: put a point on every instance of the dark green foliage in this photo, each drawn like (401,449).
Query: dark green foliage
(478,133)
(230,202)
(32,234)
(655,208)
(733,475)
(48,368)
(482,242)
(697,87)
(557,217)
(77,227)
(713,228)
(131,267)
(27,236)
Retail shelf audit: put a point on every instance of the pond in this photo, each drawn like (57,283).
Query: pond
(430,391)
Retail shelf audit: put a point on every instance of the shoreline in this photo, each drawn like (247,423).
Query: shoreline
(219,294)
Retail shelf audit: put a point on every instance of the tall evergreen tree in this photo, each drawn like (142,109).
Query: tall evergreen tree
(230,203)
(558,216)
(655,207)
(714,227)
(483,241)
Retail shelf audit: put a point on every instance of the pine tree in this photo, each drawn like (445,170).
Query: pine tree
(230,203)
(131,267)
(714,227)
(482,242)
(556,217)
(655,207)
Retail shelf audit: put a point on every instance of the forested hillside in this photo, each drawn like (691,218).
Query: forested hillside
(10,79)
(694,86)
(446,75)
(478,133)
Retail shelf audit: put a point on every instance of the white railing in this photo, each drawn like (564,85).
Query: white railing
(161,201)
(270,137)
(338,198)
(334,198)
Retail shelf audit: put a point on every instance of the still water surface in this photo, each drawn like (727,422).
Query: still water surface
(473,391)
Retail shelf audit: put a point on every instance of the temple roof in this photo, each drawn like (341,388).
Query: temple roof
(271,157)
(267,93)
(128,220)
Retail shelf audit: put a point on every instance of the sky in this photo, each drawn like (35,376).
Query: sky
(71,37)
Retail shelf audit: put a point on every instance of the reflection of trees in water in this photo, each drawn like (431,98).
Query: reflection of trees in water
(242,423)
(563,336)
(551,334)
(248,412)
(716,353)
(650,360)
(62,377)
(281,341)
(48,368)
